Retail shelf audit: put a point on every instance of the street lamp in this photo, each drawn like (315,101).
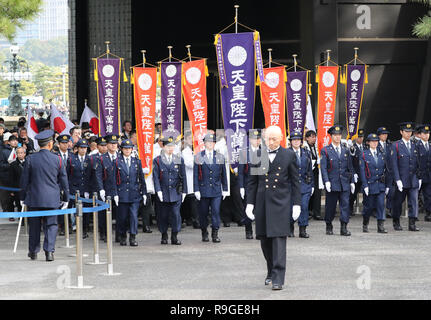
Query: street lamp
(16,70)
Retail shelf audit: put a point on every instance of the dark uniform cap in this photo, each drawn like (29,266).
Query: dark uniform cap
(63,138)
(361,133)
(126,144)
(44,136)
(112,138)
(85,126)
(295,135)
(210,137)
(101,141)
(82,143)
(407,126)
(424,128)
(382,130)
(254,134)
(168,140)
(373,137)
(337,129)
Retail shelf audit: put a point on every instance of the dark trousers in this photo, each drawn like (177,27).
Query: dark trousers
(315,204)
(412,198)
(274,251)
(426,192)
(189,209)
(146,210)
(374,202)
(353,196)
(331,204)
(204,206)
(390,197)
(169,214)
(232,206)
(303,216)
(127,211)
(50,229)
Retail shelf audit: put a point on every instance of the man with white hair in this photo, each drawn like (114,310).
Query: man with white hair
(272,189)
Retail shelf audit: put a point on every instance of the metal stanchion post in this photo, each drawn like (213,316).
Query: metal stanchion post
(66,231)
(95,234)
(110,270)
(79,265)
(76,205)
(26,226)
(406,208)
(357,211)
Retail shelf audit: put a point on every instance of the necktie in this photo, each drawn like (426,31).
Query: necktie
(298,157)
(81,159)
(375,156)
(64,158)
(408,146)
(338,151)
(427,146)
(128,164)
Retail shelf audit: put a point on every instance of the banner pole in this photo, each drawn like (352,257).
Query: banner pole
(270,57)
(236,18)
(188,52)
(143,57)
(170,53)
(356,54)
(294,62)
(107,48)
(327,60)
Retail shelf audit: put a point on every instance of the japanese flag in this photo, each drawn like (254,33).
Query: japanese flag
(32,129)
(12,156)
(309,120)
(90,117)
(59,122)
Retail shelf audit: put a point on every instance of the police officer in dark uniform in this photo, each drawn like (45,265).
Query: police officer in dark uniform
(424,153)
(406,175)
(170,185)
(385,147)
(337,174)
(209,178)
(78,172)
(356,151)
(252,157)
(375,183)
(42,181)
(305,169)
(131,190)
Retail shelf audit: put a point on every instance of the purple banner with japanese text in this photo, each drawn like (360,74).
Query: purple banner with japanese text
(238,96)
(296,94)
(108,95)
(171,99)
(355,75)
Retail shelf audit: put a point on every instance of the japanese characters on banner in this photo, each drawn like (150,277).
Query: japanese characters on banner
(296,93)
(327,93)
(195,97)
(236,61)
(171,99)
(108,95)
(273,96)
(145,80)
(355,75)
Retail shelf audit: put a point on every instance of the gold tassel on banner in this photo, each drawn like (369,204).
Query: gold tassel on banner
(206,71)
(159,78)
(309,89)
(124,72)
(132,80)
(285,75)
(96,77)
(256,35)
(216,39)
(317,75)
(257,81)
(366,74)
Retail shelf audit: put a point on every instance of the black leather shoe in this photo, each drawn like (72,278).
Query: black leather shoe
(381,227)
(214,236)
(123,240)
(397,226)
(303,232)
(102,237)
(412,224)
(277,286)
(249,234)
(226,224)
(61,233)
(32,255)
(365,221)
(267,281)
(428,217)
(174,239)
(49,256)
(317,218)
(291,231)
(329,229)
(132,240)
(343,230)
(196,225)
(85,235)
(205,235)
(164,238)
(147,229)
(117,237)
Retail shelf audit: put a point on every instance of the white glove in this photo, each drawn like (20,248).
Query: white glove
(235,170)
(355,178)
(420,183)
(144,197)
(22,203)
(352,188)
(198,195)
(366,190)
(225,194)
(242,193)
(102,195)
(400,185)
(328,186)
(160,195)
(116,199)
(64,205)
(145,170)
(349,143)
(312,191)
(296,211)
(183,197)
(249,211)
(86,195)
(386,191)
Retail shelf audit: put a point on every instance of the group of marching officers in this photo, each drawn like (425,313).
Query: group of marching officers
(377,168)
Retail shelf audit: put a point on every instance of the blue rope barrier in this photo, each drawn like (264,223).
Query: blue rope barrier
(10,189)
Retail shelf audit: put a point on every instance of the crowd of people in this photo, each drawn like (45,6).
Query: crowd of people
(198,190)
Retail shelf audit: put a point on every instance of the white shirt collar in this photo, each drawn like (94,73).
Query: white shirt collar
(335,147)
(405,141)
